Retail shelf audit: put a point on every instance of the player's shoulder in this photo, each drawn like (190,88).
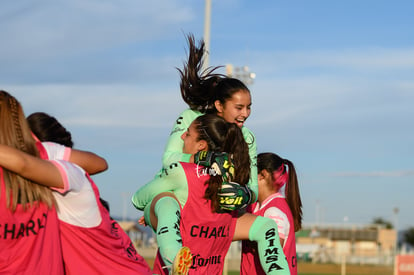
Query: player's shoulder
(184,120)
(248,135)
(48,145)
(190,114)
(54,150)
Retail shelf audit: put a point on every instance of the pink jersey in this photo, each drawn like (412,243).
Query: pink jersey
(104,249)
(250,263)
(207,234)
(29,240)
(100,247)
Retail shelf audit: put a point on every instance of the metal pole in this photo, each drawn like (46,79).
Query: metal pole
(396,210)
(207,16)
(343,265)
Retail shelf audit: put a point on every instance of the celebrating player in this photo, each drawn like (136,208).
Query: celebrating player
(207,92)
(193,190)
(279,199)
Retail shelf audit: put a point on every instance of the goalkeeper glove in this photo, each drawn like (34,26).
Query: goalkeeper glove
(233,196)
(220,163)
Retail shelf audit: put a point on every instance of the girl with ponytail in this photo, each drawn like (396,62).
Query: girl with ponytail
(279,199)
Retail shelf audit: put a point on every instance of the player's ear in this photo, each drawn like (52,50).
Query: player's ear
(264,175)
(202,145)
(261,175)
(219,106)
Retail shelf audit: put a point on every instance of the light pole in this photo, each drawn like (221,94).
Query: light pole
(207,16)
(242,73)
(396,210)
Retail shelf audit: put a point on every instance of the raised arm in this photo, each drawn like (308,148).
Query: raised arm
(41,171)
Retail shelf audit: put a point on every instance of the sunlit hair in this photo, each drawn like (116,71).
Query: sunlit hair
(223,136)
(200,89)
(47,128)
(281,178)
(15,132)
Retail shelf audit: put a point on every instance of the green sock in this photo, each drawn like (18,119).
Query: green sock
(169,239)
(264,232)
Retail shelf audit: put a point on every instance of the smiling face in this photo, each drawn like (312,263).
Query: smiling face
(236,109)
(191,143)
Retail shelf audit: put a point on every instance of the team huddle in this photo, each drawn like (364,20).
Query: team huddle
(212,189)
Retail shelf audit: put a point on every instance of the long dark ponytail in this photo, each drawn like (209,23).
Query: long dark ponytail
(197,86)
(275,165)
(223,136)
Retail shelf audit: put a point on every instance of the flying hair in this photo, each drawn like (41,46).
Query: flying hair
(197,86)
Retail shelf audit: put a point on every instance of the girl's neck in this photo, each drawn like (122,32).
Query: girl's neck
(264,195)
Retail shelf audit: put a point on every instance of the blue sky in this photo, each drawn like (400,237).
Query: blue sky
(334,91)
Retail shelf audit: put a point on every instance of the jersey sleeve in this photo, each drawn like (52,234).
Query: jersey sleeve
(251,142)
(57,151)
(172,179)
(76,201)
(281,219)
(174,148)
(71,174)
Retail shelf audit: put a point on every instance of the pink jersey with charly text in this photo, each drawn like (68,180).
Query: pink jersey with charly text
(29,239)
(207,234)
